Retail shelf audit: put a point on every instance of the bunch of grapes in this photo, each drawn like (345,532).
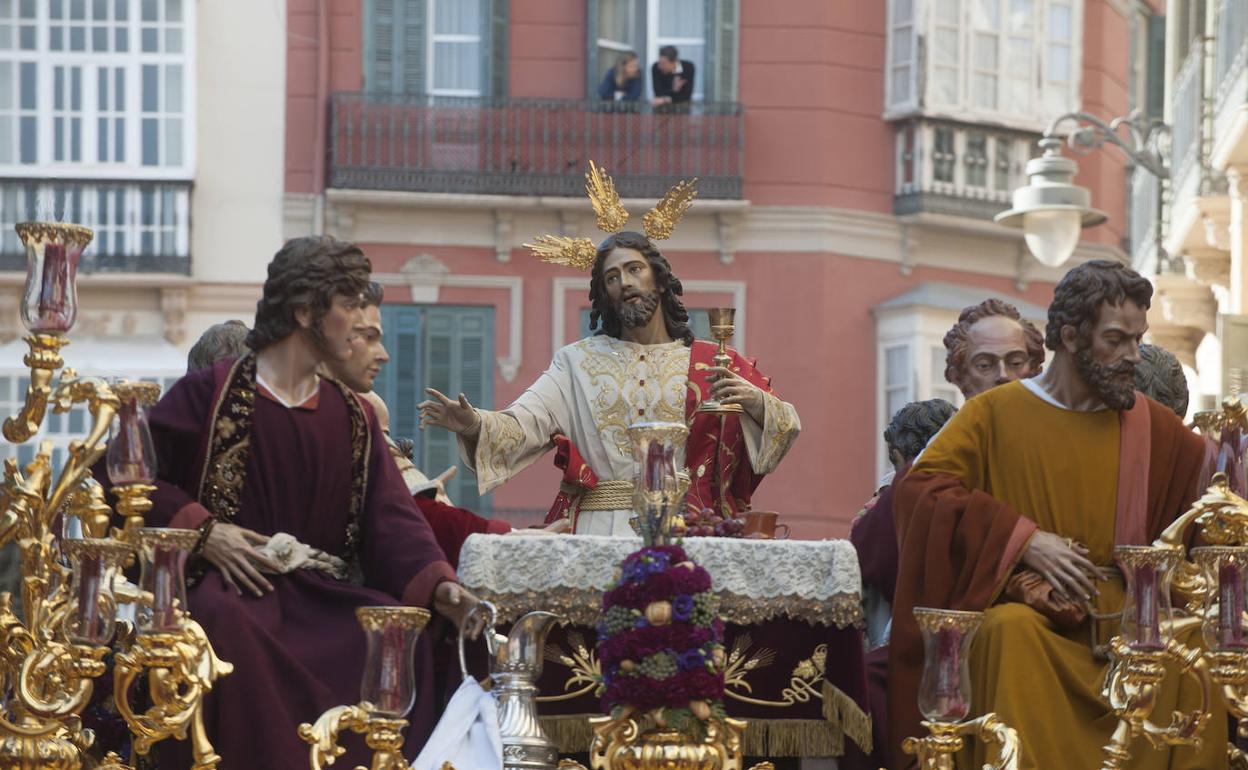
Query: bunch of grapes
(705,522)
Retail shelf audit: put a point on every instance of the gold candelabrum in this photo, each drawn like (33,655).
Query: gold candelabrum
(51,656)
(944,695)
(387,692)
(1209,583)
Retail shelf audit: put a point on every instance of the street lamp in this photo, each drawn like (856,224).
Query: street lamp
(1051,210)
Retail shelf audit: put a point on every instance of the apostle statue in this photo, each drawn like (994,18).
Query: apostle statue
(642,365)
(990,345)
(1014,509)
(259,445)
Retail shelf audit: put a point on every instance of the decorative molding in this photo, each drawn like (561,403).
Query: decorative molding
(1186,303)
(569,223)
(561,285)
(1215,215)
(425,274)
(1024,263)
(1212,267)
(173,306)
(502,235)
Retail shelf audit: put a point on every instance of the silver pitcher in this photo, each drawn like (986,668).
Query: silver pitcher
(515,665)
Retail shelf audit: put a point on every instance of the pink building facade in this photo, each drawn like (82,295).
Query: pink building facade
(850,159)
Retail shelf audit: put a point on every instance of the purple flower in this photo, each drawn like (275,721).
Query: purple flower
(682,607)
(691,659)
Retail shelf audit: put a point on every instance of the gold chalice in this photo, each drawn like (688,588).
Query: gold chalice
(722,329)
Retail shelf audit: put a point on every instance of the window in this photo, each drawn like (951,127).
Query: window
(445,347)
(704,32)
(104,92)
(436,47)
(455,47)
(1011,61)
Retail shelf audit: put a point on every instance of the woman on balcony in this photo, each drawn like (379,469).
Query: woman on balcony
(622,83)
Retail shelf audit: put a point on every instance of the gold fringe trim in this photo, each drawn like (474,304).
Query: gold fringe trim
(840,709)
(763,737)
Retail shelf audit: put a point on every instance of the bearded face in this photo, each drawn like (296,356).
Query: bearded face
(636,307)
(1114,384)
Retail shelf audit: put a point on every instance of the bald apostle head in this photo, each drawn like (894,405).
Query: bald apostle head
(990,345)
(223,340)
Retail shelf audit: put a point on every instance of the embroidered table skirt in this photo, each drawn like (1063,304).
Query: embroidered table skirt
(792,612)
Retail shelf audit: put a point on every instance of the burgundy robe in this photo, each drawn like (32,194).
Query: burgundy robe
(298,650)
(452,525)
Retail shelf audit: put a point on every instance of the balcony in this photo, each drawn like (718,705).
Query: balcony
(489,146)
(959,170)
(1145,214)
(1189,149)
(140,227)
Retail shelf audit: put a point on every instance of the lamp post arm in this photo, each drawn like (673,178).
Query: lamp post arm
(1142,142)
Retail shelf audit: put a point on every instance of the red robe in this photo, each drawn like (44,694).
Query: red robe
(298,650)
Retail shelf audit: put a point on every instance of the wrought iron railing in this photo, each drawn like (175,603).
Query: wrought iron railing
(963,170)
(1188,129)
(140,227)
(530,146)
(1145,215)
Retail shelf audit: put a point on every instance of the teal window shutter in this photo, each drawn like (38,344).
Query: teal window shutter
(395,39)
(1156,68)
(592,75)
(494,47)
(458,358)
(399,384)
(723,37)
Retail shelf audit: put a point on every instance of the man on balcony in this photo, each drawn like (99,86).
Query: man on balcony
(643,366)
(1015,508)
(672,78)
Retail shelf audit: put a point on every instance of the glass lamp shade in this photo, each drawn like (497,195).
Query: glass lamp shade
(945,689)
(50,300)
(1052,234)
(131,455)
(658,451)
(1226,573)
(163,553)
(388,687)
(95,563)
(1146,605)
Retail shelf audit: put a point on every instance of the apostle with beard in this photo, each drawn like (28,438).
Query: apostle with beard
(643,365)
(1041,478)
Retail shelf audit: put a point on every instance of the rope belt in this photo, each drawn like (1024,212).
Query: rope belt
(608,496)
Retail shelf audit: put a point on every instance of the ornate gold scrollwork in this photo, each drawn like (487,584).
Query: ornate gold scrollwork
(936,750)
(383,736)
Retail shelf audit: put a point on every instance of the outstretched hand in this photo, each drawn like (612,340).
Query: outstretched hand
(232,549)
(731,388)
(456,416)
(1064,564)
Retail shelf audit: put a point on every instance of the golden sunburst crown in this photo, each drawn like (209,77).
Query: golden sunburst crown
(611,216)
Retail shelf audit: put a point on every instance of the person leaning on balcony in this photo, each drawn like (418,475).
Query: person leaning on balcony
(622,83)
(1015,508)
(672,78)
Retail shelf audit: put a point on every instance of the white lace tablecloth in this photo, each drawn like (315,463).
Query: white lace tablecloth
(815,581)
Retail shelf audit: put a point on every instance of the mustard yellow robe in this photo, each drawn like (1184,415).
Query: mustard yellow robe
(1058,468)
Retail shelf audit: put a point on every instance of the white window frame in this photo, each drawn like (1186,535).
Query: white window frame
(133,60)
(435,38)
(965,108)
(654,42)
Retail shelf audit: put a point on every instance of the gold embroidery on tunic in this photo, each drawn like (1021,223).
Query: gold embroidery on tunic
(581,661)
(628,390)
(498,445)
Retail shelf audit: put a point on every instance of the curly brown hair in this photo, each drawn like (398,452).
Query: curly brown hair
(306,273)
(668,285)
(1159,375)
(1078,297)
(957,339)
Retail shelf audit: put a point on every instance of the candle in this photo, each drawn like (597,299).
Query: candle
(1231,607)
(166,565)
(390,696)
(951,703)
(90,569)
(1148,625)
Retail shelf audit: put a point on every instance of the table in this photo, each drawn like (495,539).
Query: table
(792,611)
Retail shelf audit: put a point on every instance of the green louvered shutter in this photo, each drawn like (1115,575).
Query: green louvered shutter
(1156,68)
(723,37)
(494,47)
(400,383)
(395,34)
(458,358)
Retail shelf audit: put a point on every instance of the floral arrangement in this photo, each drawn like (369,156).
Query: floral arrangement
(660,642)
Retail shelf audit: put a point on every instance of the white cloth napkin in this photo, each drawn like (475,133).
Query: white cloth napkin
(467,735)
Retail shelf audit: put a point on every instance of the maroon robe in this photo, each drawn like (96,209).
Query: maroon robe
(452,525)
(298,650)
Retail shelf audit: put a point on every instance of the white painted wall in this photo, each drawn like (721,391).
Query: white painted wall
(236,206)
